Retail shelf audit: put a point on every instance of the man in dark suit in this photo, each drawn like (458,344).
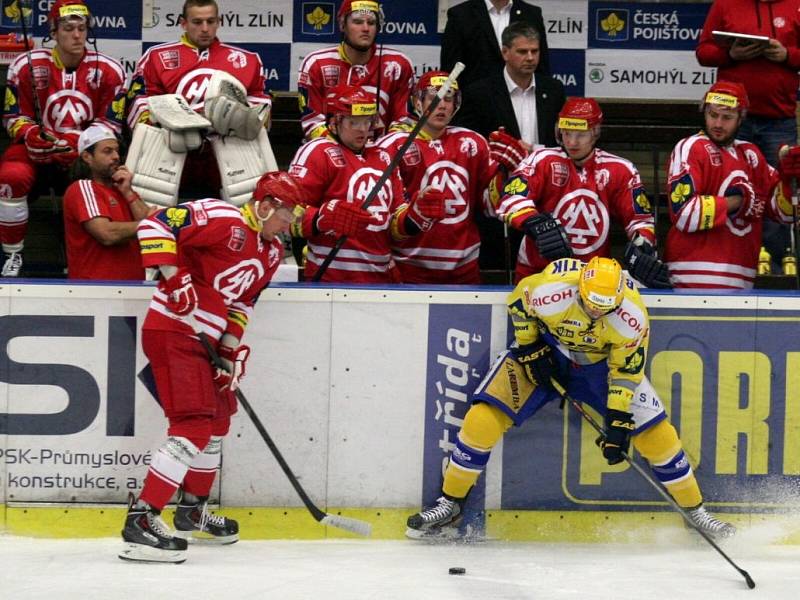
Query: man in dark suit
(525,102)
(472,36)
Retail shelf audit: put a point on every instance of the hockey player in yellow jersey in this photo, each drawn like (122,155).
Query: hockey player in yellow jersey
(585,325)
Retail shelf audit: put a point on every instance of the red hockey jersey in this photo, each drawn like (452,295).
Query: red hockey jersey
(222,248)
(584,200)
(388,69)
(330,171)
(86,257)
(181,68)
(69,99)
(459,163)
(707,247)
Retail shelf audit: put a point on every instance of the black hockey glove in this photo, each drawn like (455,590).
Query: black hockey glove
(538,361)
(550,238)
(619,427)
(645,266)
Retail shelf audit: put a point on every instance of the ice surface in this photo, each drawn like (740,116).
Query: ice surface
(386,570)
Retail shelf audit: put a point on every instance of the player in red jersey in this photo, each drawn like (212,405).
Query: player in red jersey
(48,102)
(720,188)
(101,213)
(337,172)
(214,260)
(566,198)
(358,60)
(458,162)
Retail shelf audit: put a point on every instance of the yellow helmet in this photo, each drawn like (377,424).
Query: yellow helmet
(600,284)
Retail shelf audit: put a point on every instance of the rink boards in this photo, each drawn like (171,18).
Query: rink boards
(363,390)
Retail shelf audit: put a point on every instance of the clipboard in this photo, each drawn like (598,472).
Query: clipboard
(730,37)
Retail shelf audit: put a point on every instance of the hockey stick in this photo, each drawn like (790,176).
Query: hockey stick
(37,109)
(393,163)
(647,477)
(346,523)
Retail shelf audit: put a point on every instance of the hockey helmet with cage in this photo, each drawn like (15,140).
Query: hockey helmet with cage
(63,10)
(580,114)
(601,285)
(359,6)
(432,81)
(727,94)
(350,100)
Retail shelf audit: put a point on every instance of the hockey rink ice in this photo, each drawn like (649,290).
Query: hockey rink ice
(684,569)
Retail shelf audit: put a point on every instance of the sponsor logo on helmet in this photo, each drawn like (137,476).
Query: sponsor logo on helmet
(364,5)
(73,10)
(601,299)
(575,124)
(438,81)
(722,99)
(364,110)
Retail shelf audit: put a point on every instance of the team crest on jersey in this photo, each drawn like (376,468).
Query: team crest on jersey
(559,174)
(601,178)
(41,77)
(237,239)
(453,179)
(713,155)
(752,157)
(303,79)
(468,147)
(392,70)
(5,191)
(383,155)
(336,157)
(170,59)
(412,156)
(175,217)
(779,22)
(330,75)
(358,188)
(585,219)
(238,59)
(67,110)
(233,283)
(94,79)
(641,204)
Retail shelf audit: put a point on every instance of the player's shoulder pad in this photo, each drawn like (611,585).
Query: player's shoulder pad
(630,320)
(175,217)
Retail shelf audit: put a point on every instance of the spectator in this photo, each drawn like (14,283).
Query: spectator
(585,326)
(185,67)
(565,199)
(101,213)
(336,174)
(523,101)
(458,161)
(768,72)
(719,188)
(44,117)
(358,60)
(473,34)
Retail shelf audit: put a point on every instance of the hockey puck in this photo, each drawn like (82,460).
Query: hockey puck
(457,571)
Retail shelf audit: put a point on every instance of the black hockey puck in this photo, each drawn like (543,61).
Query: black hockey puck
(457,571)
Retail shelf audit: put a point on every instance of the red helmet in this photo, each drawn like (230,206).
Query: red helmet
(281,187)
(433,80)
(350,100)
(728,94)
(359,6)
(62,10)
(580,114)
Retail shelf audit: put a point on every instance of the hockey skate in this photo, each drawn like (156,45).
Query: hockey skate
(709,524)
(196,524)
(12,265)
(439,522)
(147,538)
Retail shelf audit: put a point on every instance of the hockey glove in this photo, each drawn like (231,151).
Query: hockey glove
(752,206)
(551,239)
(181,295)
(426,208)
(339,217)
(234,360)
(619,427)
(645,266)
(230,117)
(45,146)
(538,361)
(789,161)
(506,149)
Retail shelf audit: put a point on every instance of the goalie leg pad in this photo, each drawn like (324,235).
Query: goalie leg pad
(241,165)
(156,169)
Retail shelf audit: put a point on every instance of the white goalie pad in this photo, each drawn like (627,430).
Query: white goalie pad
(241,165)
(156,169)
(173,112)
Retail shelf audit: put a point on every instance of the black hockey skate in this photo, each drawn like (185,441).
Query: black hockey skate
(194,523)
(439,522)
(147,538)
(709,524)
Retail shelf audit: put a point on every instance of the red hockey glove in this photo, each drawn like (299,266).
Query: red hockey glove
(339,217)
(427,207)
(789,161)
(234,360)
(181,295)
(45,146)
(752,206)
(506,149)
